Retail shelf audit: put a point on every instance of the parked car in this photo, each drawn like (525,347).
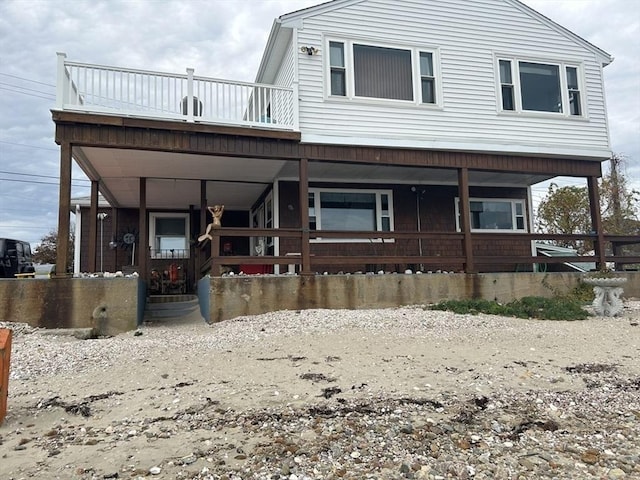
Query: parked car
(15,258)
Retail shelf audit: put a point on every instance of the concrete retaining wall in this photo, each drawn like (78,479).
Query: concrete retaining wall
(110,306)
(235,296)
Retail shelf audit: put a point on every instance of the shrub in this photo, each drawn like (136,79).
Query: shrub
(557,308)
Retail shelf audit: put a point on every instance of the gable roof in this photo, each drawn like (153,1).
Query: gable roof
(281,33)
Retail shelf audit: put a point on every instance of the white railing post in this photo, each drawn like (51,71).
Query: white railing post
(61,87)
(295,104)
(190,94)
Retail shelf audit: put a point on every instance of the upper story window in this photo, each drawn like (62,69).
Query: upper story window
(358,70)
(527,86)
(350,210)
(494,214)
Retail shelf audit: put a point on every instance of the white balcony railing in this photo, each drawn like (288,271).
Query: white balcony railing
(141,93)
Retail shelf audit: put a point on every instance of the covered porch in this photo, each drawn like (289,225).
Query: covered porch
(160,158)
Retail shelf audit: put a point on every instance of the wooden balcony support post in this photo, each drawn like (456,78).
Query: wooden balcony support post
(203,224)
(114,237)
(93,226)
(64,211)
(465,217)
(143,228)
(305,248)
(596,222)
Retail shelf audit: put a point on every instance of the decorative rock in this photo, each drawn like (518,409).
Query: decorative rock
(155,470)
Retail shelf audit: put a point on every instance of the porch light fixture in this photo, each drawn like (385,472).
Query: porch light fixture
(309,50)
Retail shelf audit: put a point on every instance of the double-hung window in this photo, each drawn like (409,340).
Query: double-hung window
(360,70)
(529,86)
(350,210)
(494,214)
(169,235)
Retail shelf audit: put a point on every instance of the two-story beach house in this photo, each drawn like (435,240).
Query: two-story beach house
(379,135)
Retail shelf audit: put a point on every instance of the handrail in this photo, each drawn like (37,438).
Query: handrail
(164,95)
(384,258)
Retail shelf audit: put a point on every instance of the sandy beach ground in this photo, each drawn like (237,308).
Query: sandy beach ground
(390,394)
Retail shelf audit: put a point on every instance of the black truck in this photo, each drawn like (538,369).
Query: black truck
(15,258)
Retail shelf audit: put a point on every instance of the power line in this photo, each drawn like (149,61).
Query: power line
(30,146)
(43,176)
(28,89)
(27,80)
(38,182)
(30,94)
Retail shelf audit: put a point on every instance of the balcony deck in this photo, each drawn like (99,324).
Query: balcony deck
(129,92)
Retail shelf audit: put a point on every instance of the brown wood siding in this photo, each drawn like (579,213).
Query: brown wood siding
(116,132)
(437,214)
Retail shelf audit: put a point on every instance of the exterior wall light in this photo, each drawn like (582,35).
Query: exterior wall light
(309,50)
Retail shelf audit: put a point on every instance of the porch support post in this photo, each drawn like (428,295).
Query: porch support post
(93,225)
(64,211)
(114,238)
(596,222)
(305,252)
(465,215)
(143,240)
(200,255)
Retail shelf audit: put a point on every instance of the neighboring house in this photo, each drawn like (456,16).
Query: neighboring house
(379,135)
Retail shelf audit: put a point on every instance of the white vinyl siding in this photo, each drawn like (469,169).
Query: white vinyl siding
(468,45)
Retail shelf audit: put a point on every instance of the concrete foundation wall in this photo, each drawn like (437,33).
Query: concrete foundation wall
(115,305)
(110,306)
(235,296)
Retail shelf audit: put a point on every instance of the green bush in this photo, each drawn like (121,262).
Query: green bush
(557,308)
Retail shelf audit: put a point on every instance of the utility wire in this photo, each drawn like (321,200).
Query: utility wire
(28,89)
(38,182)
(30,146)
(52,97)
(42,176)
(27,80)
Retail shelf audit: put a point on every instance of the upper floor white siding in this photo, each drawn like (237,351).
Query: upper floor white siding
(467,37)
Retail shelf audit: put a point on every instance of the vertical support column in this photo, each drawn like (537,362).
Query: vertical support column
(143,228)
(203,225)
(305,248)
(596,222)
(64,211)
(465,216)
(93,226)
(114,238)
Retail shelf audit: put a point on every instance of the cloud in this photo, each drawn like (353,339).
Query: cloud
(218,38)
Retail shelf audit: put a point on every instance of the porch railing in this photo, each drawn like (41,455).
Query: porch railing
(132,92)
(213,261)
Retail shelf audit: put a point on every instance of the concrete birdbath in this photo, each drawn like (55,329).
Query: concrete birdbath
(607,292)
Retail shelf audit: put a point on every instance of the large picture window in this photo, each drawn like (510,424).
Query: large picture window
(527,86)
(350,210)
(494,214)
(168,235)
(358,70)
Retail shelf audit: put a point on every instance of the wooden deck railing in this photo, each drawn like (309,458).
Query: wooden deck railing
(143,93)
(213,261)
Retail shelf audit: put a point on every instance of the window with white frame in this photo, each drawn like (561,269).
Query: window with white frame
(495,214)
(528,86)
(350,210)
(361,70)
(169,235)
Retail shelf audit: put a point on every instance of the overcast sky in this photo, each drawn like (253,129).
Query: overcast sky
(218,38)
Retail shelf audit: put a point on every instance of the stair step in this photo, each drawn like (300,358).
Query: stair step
(180,307)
